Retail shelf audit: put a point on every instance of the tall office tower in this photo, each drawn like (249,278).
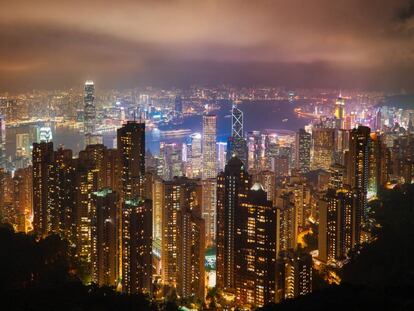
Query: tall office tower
(183,238)
(323,144)
(236,121)
(171,161)
(195,156)
(136,246)
(293,275)
(357,171)
(255,249)
(62,194)
(338,226)
(89,110)
(105,220)
(303,148)
(268,180)
(232,185)
(22,198)
(339,112)
(221,155)
(209,147)
(209,201)
(131,148)
(2,142)
(42,158)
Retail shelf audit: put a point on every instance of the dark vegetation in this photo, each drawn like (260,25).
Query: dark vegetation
(39,275)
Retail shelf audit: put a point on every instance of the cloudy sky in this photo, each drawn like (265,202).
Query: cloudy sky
(307,43)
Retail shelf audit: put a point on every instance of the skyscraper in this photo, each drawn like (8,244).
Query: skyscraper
(255,249)
(338,225)
(104,225)
(357,171)
(42,158)
(232,185)
(339,111)
(303,148)
(89,110)
(236,122)
(209,147)
(131,148)
(136,246)
(183,238)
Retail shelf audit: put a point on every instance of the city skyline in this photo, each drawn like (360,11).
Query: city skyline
(206,155)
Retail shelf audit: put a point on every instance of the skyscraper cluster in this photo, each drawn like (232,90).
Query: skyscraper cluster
(145,223)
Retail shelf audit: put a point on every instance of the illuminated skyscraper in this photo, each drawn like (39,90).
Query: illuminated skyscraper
(105,218)
(303,148)
(232,185)
(338,226)
(131,148)
(183,238)
(236,122)
(62,193)
(340,112)
(42,158)
(209,147)
(255,249)
(89,110)
(136,246)
(357,171)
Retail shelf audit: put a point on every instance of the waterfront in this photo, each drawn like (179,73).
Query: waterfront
(258,115)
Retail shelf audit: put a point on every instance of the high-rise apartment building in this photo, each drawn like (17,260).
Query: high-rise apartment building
(255,249)
(105,237)
(42,158)
(131,148)
(183,240)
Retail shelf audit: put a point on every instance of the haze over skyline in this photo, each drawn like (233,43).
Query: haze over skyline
(321,43)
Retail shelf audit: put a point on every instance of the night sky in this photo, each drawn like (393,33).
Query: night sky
(309,43)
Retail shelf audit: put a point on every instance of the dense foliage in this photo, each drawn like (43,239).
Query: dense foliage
(39,275)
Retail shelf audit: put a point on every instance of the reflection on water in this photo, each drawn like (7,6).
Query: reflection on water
(258,115)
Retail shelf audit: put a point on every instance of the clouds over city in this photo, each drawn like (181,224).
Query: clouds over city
(347,43)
